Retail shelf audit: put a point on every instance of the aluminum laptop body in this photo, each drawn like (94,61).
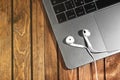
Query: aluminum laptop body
(103,23)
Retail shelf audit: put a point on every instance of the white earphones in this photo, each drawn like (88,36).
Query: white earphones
(71,41)
(85,33)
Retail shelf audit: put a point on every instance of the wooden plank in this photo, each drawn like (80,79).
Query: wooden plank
(64,73)
(100,70)
(38,40)
(87,72)
(84,72)
(22,54)
(51,66)
(5,40)
(112,64)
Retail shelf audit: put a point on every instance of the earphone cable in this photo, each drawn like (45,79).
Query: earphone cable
(95,65)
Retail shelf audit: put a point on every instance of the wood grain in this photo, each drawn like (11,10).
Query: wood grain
(87,72)
(5,40)
(100,70)
(113,67)
(40,59)
(21,27)
(64,73)
(38,40)
(51,66)
(84,72)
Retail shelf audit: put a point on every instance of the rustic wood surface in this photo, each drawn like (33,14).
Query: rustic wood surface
(38,21)
(21,40)
(5,40)
(29,51)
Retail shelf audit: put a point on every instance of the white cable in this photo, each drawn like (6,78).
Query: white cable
(96,71)
(89,45)
(95,65)
(97,52)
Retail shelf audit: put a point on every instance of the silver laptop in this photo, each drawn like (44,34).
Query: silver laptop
(100,17)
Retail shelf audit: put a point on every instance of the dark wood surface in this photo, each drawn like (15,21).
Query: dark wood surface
(29,51)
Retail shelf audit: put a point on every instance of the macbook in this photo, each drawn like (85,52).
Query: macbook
(100,17)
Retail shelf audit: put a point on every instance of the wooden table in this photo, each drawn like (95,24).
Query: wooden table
(28,50)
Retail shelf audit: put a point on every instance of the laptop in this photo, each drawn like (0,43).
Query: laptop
(100,17)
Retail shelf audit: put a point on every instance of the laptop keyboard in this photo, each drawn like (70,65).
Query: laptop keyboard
(69,9)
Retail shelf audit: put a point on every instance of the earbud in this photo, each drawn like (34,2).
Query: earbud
(71,41)
(86,33)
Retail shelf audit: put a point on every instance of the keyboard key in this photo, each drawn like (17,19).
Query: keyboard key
(104,3)
(87,1)
(59,8)
(90,7)
(78,2)
(79,11)
(70,14)
(61,17)
(69,4)
(57,1)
